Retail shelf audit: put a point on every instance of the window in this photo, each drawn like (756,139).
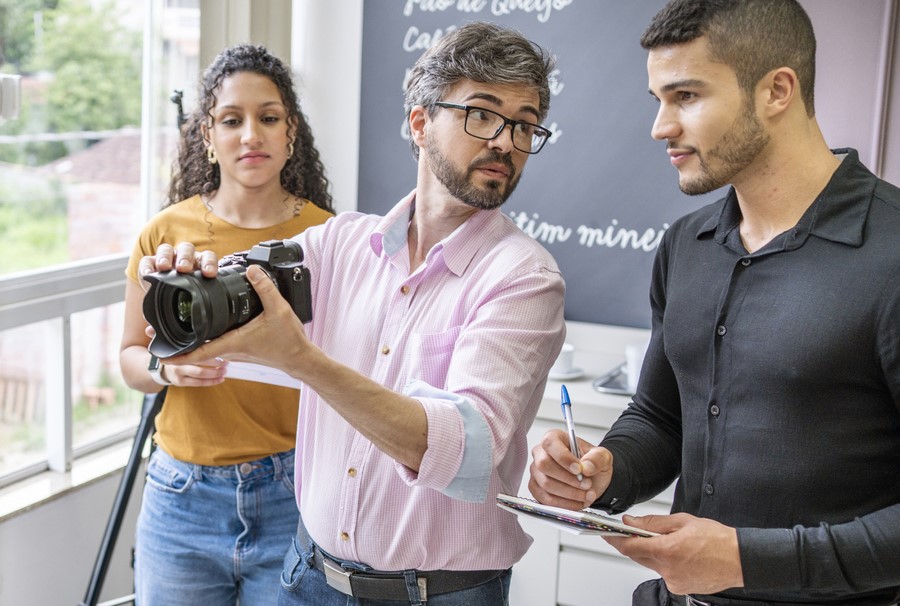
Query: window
(81,168)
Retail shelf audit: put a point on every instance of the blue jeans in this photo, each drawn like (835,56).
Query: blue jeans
(303,585)
(214,535)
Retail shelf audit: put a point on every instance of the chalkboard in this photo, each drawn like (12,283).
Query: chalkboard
(601,193)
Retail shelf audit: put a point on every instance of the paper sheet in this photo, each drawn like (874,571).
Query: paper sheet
(262,374)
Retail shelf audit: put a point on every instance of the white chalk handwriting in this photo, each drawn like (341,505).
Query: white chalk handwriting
(611,236)
(555,132)
(542,9)
(431,6)
(556,86)
(418,41)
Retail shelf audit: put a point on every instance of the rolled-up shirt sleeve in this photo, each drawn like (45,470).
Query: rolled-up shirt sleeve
(464,425)
(493,386)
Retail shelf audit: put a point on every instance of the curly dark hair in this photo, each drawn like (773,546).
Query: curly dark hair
(303,175)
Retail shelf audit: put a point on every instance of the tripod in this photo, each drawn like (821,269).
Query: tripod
(151,407)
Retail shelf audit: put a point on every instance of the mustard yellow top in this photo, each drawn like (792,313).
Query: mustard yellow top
(234,421)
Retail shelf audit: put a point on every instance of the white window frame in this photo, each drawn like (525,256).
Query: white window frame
(53,294)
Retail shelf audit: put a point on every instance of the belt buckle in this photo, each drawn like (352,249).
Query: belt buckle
(338,578)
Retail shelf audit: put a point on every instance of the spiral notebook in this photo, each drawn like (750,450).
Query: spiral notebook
(586,521)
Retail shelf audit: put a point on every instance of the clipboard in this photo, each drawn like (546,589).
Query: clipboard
(587,521)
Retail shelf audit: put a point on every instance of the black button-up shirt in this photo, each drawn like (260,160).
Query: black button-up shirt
(772,387)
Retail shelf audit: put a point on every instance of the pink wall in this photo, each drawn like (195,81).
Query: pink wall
(857,81)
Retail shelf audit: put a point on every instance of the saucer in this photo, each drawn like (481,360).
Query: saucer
(573,373)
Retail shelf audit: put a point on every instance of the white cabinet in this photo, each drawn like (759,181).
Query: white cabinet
(561,568)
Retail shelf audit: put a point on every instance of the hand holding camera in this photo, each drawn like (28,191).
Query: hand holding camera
(188,309)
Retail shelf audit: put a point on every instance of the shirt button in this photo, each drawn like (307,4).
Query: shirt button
(246,468)
(404,289)
(746,262)
(351,472)
(708,489)
(714,410)
(345,536)
(385,350)
(721,330)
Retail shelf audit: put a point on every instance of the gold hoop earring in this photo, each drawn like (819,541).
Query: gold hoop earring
(211,155)
(290,149)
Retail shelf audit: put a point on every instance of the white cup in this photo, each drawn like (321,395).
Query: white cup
(634,359)
(565,362)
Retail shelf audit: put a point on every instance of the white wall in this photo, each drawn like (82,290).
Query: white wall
(48,552)
(327,54)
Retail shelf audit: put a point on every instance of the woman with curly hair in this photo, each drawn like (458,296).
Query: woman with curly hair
(218,509)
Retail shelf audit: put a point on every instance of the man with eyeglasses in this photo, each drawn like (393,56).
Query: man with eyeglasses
(434,328)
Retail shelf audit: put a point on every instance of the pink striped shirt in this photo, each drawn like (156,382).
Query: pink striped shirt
(471,334)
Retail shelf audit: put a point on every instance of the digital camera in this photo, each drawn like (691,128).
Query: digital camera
(186,310)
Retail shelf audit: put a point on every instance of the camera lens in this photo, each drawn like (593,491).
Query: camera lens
(183,300)
(186,310)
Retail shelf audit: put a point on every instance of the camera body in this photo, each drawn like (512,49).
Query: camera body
(282,261)
(186,310)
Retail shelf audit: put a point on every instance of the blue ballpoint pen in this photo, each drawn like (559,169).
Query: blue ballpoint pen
(570,424)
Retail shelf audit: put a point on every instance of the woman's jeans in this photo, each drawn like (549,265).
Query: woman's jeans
(211,535)
(303,585)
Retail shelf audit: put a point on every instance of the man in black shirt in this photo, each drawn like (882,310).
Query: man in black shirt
(772,381)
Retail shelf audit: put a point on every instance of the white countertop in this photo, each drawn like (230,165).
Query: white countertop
(598,349)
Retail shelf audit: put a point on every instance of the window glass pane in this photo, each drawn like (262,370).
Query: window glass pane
(22,396)
(70,182)
(71,188)
(175,69)
(102,404)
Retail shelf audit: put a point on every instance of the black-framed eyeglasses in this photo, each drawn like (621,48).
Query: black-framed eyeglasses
(485,124)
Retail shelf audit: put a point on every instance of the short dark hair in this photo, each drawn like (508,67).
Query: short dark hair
(752,37)
(482,52)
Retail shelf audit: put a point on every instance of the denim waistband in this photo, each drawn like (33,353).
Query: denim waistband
(275,465)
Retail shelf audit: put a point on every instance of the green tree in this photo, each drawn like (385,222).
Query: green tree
(96,67)
(17,30)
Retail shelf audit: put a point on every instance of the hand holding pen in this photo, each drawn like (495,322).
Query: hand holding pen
(570,424)
(552,469)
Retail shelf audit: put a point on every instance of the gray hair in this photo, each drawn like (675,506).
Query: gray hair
(481,52)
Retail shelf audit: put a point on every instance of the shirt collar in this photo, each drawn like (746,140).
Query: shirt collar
(457,250)
(837,214)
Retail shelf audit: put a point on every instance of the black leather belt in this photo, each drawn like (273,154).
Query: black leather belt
(375,585)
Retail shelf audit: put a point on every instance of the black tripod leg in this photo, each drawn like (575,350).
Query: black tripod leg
(151,407)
